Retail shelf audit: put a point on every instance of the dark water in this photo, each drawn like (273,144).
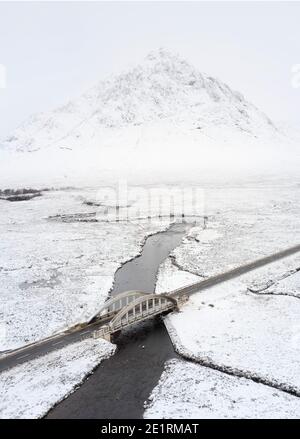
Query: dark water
(140,273)
(121,384)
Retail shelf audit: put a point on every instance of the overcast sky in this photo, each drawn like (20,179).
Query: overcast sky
(54,51)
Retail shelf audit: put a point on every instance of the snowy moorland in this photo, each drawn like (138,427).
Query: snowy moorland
(246,327)
(191,391)
(30,390)
(246,335)
(57,263)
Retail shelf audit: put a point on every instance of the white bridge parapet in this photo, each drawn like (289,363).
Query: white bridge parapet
(131,307)
(116,303)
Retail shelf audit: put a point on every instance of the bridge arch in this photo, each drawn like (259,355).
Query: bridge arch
(116,303)
(141,308)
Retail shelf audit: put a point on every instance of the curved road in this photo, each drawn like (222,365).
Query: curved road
(58,341)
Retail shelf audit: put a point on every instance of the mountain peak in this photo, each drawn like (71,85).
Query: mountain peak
(164,86)
(163,60)
(164,55)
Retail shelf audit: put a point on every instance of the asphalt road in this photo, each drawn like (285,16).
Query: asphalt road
(47,345)
(50,344)
(236,272)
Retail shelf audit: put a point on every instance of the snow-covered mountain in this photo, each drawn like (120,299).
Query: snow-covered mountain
(162,116)
(164,86)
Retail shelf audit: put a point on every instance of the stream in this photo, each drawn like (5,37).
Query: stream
(120,385)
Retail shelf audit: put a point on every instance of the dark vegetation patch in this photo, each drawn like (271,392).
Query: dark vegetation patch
(24,197)
(75,218)
(92,203)
(23,194)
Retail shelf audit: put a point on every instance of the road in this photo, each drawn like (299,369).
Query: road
(235,272)
(50,344)
(29,352)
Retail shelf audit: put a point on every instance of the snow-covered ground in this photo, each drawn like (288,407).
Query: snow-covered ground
(31,389)
(191,391)
(70,260)
(244,222)
(155,151)
(248,326)
(56,272)
(246,335)
(286,284)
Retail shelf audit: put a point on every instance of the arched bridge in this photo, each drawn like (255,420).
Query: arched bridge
(131,307)
(115,304)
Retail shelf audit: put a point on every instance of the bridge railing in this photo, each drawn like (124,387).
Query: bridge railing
(141,309)
(116,303)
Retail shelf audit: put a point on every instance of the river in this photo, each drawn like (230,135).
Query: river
(120,385)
